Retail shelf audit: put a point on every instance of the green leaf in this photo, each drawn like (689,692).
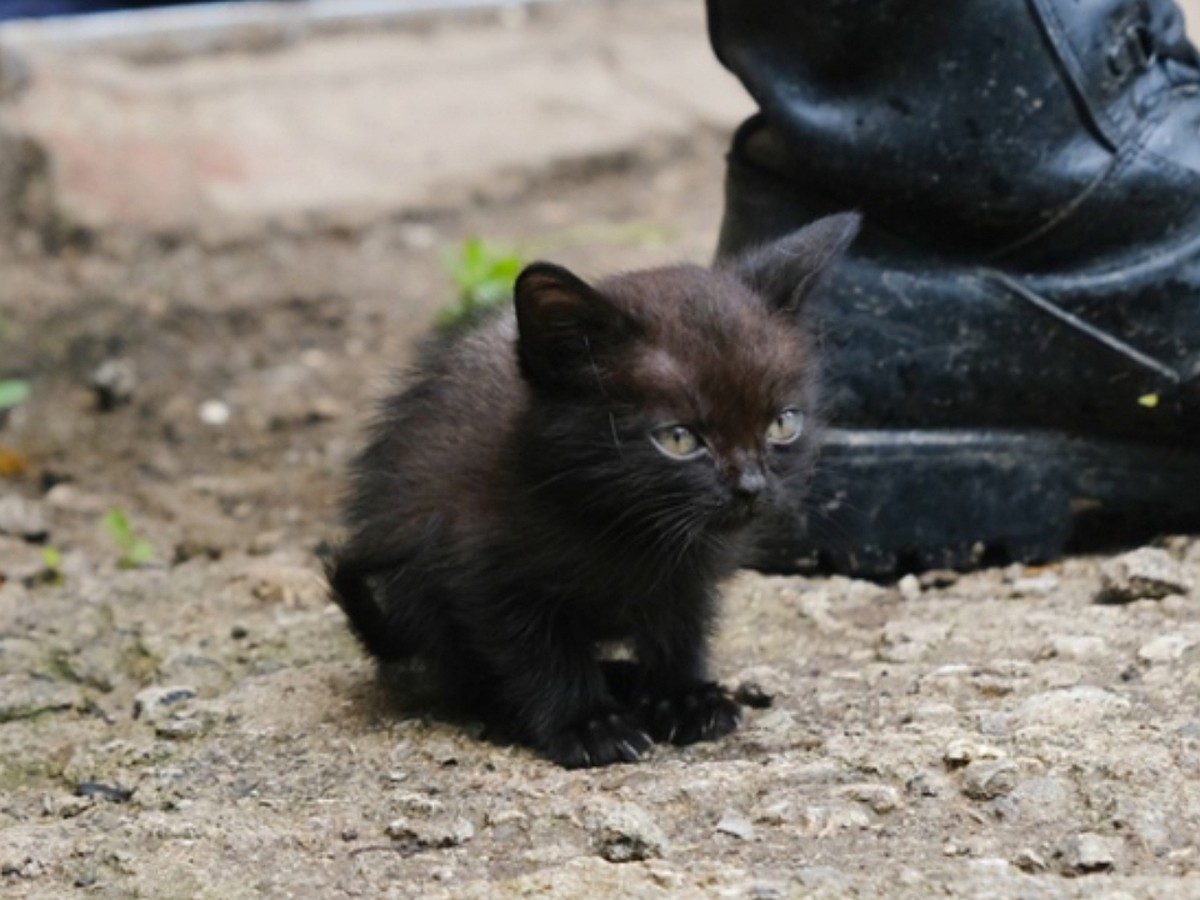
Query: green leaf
(13,392)
(483,276)
(135,551)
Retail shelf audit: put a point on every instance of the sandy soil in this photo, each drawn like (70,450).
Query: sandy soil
(203,726)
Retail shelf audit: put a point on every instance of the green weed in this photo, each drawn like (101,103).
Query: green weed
(135,550)
(13,392)
(483,276)
(52,559)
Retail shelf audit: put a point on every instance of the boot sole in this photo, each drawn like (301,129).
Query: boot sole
(886,502)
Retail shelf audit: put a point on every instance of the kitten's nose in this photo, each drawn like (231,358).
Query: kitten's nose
(751,481)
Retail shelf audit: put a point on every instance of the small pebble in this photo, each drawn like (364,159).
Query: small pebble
(624,832)
(214,412)
(881,798)
(417,836)
(103,791)
(962,751)
(735,825)
(154,702)
(988,780)
(938,578)
(114,382)
(22,518)
(1165,648)
(909,587)
(1087,853)
(1035,585)
(1148,573)
(1029,861)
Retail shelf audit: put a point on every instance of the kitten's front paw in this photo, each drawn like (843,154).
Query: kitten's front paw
(702,712)
(605,738)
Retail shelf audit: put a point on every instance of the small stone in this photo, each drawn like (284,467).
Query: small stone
(1087,853)
(1035,585)
(776,812)
(962,751)
(1075,647)
(418,804)
(418,836)
(22,518)
(1067,708)
(1165,648)
(924,785)
(624,832)
(214,412)
(154,703)
(938,578)
(988,780)
(180,728)
(109,792)
(735,825)
(1148,573)
(823,821)
(461,831)
(881,798)
(114,382)
(1029,861)
(909,587)
(510,816)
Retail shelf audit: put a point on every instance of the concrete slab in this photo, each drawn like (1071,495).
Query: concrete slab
(370,120)
(159,121)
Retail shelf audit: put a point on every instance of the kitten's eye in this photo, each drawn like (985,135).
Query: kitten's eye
(676,441)
(786,427)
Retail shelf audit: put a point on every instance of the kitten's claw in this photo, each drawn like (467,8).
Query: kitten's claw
(702,712)
(603,739)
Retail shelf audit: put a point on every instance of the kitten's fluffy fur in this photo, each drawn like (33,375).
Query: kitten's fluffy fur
(528,495)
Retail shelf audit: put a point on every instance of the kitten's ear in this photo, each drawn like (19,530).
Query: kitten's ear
(785,272)
(564,325)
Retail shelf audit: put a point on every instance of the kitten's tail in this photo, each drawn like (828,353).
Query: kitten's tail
(351,591)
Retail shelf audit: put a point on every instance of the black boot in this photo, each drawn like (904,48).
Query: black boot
(1013,350)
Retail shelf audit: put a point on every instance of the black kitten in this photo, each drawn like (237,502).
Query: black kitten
(587,470)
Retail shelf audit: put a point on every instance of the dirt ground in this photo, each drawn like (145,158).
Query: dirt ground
(203,725)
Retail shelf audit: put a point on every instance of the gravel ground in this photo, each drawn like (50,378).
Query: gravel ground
(202,725)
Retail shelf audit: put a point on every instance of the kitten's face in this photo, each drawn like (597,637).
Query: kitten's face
(677,402)
(714,401)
